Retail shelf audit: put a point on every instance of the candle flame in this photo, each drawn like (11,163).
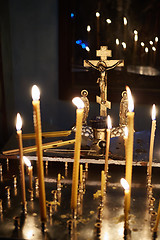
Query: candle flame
(78,102)
(35,93)
(153,112)
(109,124)
(124,184)
(130,100)
(19,122)
(126,131)
(26,161)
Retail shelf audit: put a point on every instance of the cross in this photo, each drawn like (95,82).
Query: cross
(103,65)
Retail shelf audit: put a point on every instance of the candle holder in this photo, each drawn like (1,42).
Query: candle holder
(50,207)
(80,189)
(66,169)
(7,164)
(36,187)
(54,194)
(59,196)
(153,216)
(58,186)
(43,227)
(14,181)
(31,194)
(99,214)
(46,167)
(1,207)
(24,208)
(16,222)
(7,188)
(154,235)
(97,231)
(70,226)
(1,176)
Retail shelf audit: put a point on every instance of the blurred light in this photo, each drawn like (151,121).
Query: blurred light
(136,37)
(146,49)
(88,49)
(153,48)
(106,237)
(156,39)
(83,45)
(97,14)
(72,15)
(88,28)
(142,44)
(124,45)
(125,21)
(135,32)
(151,42)
(117,41)
(29,234)
(78,41)
(108,21)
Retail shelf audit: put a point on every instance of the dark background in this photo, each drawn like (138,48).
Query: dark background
(37,46)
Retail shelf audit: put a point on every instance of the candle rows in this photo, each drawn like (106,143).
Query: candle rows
(77,190)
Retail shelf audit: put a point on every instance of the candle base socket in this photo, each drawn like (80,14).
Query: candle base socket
(153,216)
(154,235)
(1,207)
(59,186)
(36,183)
(50,206)
(14,181)
(24,208)
(31,194)
(16,222)
(97,227)
(70,226)
(7,188)
(43,227)
(74,214)
(66,165)
(99,214)
(54,194)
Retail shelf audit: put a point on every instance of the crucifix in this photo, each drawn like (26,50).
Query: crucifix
(103,65)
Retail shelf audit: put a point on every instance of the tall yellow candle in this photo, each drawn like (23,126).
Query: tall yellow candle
(129,152)
(157,219)
(125,185)
(108,135)
(22,177)
(79,115)
(81,173)
(152,139)
(125,140)
(102,183)
(30,171)
(38,132)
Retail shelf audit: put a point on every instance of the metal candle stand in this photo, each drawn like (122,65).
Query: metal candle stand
(151,201)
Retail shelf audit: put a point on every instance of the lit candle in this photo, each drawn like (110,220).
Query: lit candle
(102,183)
(79,115)
(152,139)
(30,169)
(108,134)
(81,173)
(125,139)
(129,152)
(125,185)
(22,177)
(157,219)
(38,132)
